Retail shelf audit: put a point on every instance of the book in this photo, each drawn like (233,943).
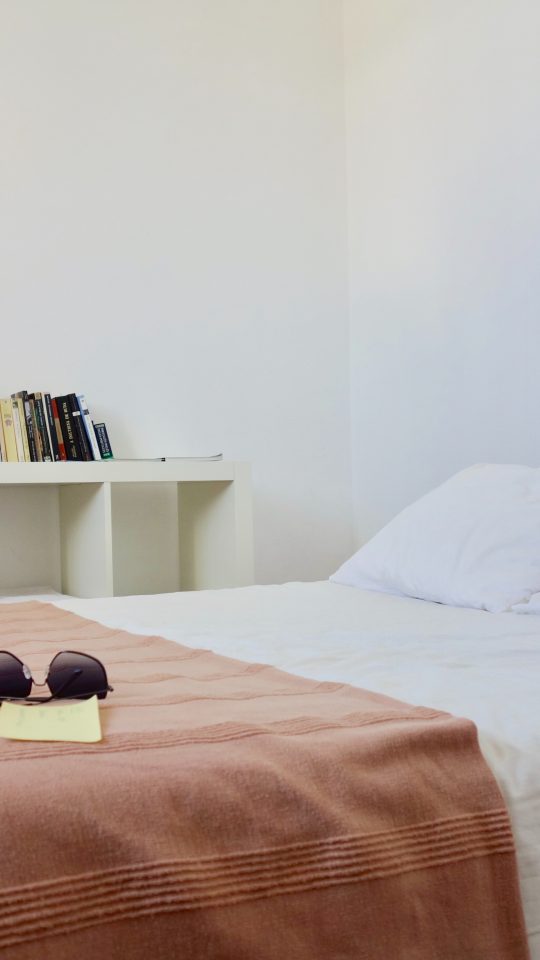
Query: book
(39,413)
(40,407)
(37,438)
(58,430)
(37,432)
(51,428)
(212,457)
(29,424)
(66,424)
(79,430)
(17,402)
(18,432)
(102,438)
(3,451)
(6,413)
(88,425)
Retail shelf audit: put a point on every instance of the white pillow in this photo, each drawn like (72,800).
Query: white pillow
(472,542)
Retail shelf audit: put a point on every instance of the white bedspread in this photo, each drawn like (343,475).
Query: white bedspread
(472,663)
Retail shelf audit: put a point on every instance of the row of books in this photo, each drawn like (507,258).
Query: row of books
(39,428)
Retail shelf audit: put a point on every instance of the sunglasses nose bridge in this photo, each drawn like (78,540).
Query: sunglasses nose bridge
(39,679)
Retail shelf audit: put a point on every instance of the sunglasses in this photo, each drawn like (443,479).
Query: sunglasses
(70,674)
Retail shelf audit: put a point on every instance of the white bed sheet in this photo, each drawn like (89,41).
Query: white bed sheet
(469,662)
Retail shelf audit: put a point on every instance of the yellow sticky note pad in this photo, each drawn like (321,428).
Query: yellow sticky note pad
(76,721)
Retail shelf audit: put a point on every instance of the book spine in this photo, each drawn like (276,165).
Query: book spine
(9,430)
(37,434)
(18,433)
(51,428)
(89,426)
(42,427)
(79,430)
(29,421)
(102,438)
(3,451)
(66,423)
(18,402)
(58,429)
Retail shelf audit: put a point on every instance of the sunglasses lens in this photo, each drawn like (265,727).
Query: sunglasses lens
(13,680)
(77,675)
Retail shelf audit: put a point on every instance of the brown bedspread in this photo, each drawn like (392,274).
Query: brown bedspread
(235,811)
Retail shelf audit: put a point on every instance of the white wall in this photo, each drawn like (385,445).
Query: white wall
(172,240)
(443,125)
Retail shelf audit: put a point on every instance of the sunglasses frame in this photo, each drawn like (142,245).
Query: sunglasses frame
(100,693)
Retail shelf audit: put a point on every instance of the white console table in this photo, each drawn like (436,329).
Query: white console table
(109,528)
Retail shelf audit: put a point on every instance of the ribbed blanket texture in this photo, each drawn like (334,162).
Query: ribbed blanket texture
(236,812)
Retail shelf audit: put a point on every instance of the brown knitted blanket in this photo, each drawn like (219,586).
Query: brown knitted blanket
(235,812)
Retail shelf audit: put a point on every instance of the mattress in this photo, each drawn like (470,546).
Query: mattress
(469,662)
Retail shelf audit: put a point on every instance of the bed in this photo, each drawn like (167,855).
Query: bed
(469,662)
(339,769)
